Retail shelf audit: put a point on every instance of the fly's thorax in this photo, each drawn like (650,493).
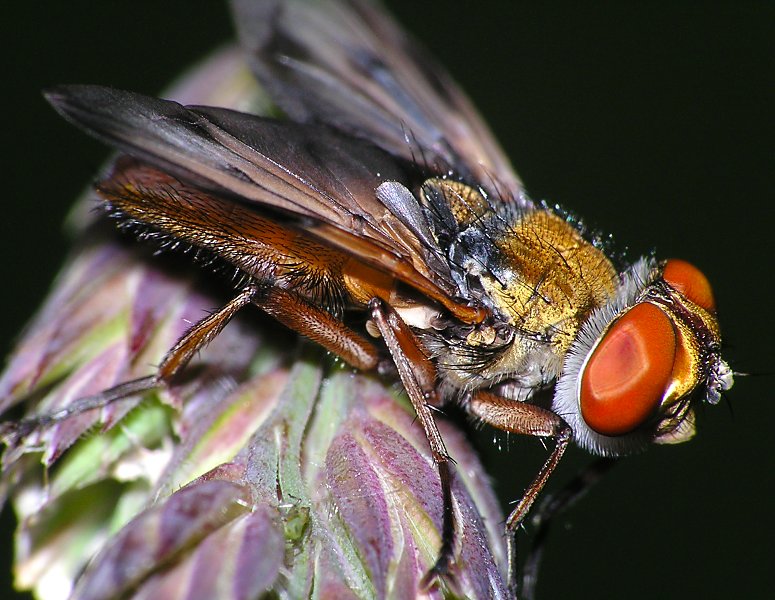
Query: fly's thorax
(641,362)
(547,280)
(540,279)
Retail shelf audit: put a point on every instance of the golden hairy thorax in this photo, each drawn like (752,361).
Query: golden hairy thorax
(550,279)
(545,281)
(555,278)
(549,276)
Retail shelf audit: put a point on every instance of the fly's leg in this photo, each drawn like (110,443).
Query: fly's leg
(320,326)
(418,375)
(201,334)
(290,309)
(196,338)
(549,508)
(286,306)
(525,419)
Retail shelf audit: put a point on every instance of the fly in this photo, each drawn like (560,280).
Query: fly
(383,194)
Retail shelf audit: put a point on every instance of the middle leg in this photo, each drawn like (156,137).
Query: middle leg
(526,419)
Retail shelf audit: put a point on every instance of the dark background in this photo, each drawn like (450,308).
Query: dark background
(652,121)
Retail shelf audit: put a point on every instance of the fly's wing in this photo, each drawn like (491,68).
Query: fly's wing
(325,182)
(349,65)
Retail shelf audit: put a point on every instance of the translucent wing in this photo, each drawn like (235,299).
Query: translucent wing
(349,65)
(327,184)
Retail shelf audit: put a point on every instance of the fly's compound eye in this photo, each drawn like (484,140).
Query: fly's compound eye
(627,374)
(687,279)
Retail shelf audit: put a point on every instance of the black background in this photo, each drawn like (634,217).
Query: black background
(652,121)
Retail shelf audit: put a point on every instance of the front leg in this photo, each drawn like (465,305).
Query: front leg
(418,375)
(527,419)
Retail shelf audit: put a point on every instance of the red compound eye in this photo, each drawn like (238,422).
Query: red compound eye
(629,370)
(690,281)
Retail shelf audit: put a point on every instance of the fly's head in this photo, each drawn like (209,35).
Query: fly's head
(641,362)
